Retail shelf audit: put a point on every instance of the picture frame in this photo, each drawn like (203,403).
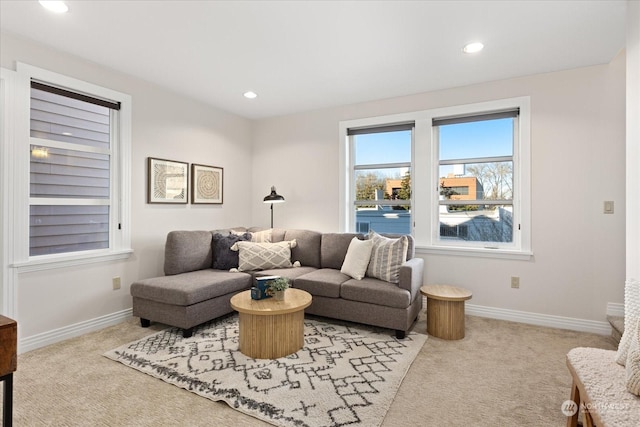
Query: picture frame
(207,184)
(168,181)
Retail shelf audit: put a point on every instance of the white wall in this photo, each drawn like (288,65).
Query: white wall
(165,125)
(633,140)
(578,161)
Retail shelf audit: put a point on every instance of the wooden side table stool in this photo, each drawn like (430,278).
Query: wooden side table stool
(8,365)
(445,310)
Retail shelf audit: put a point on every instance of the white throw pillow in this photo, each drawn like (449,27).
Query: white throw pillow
(263,236)
(631,316)
(357,258)
(633,362)
(263,256)
(387,256)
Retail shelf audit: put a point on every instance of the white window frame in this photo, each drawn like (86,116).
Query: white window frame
(120,211)
(424,176)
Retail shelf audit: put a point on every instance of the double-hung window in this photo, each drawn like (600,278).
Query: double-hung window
(381,178)
(70,170)
(462,175)
(475,177)
(78,170)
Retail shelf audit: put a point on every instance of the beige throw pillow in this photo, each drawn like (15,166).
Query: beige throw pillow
(387,256)
(262,256)
(263,236)
(357,258)
(633,362)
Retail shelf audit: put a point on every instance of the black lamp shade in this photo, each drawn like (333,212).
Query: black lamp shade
(273,197)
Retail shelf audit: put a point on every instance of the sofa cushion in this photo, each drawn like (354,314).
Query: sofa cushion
(333,248)
(387,256)
(324,282)
(223,257)
(191,288)
(375,291)
(307,250)
(357,258)
(261,256)
(186,251)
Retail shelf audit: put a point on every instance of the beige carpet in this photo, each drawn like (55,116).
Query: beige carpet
(501,374)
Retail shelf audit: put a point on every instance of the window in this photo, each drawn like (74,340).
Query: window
(70,171)
(475,167)
(77,163)
(381,171)
(467,177)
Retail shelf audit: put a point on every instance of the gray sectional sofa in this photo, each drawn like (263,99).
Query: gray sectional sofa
(193,292)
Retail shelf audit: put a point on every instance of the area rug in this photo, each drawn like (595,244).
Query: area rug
(346,374)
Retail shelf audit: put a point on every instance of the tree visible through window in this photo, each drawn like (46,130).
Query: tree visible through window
(458,176)
(382,178)
(476,177)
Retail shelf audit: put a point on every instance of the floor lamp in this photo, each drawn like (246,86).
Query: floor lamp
(273,198)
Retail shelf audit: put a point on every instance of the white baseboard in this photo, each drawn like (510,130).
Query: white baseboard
(615,309)
(581,325)
(50,337)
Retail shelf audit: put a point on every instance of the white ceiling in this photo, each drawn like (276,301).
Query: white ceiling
(305,55)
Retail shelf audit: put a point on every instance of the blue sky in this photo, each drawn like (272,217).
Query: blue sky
(466,140)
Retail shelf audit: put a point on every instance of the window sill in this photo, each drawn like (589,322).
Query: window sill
(67,260)
(475,252)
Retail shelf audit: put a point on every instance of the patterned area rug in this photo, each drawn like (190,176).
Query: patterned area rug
(345,374)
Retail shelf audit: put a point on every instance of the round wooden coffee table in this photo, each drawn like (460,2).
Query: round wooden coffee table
(445,310)
(270,329)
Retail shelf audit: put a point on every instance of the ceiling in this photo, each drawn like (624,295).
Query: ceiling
(306,55)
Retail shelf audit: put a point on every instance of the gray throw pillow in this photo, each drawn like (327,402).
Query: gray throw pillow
(223,257)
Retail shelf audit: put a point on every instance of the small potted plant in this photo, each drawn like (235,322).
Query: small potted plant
(278,286)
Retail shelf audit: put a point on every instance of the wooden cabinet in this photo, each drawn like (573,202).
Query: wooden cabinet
(8,365)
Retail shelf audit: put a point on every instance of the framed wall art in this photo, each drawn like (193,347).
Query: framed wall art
(206,184)
(168,181)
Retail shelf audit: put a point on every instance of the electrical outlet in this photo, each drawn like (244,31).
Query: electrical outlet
(515,282)
(116,283)
(608,207)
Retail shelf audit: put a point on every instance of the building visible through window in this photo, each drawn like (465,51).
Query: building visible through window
(476,176)
(382,178)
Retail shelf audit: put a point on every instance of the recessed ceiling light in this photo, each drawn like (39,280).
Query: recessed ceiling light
(55,6)
(473,47)
(250,95)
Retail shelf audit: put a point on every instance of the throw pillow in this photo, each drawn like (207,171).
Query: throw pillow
(261,256)
(263,236)
(633,362)
(631,315)
(223,257)
(387,255)
(357,258)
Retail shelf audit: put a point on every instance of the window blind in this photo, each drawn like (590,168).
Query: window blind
(442,121)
